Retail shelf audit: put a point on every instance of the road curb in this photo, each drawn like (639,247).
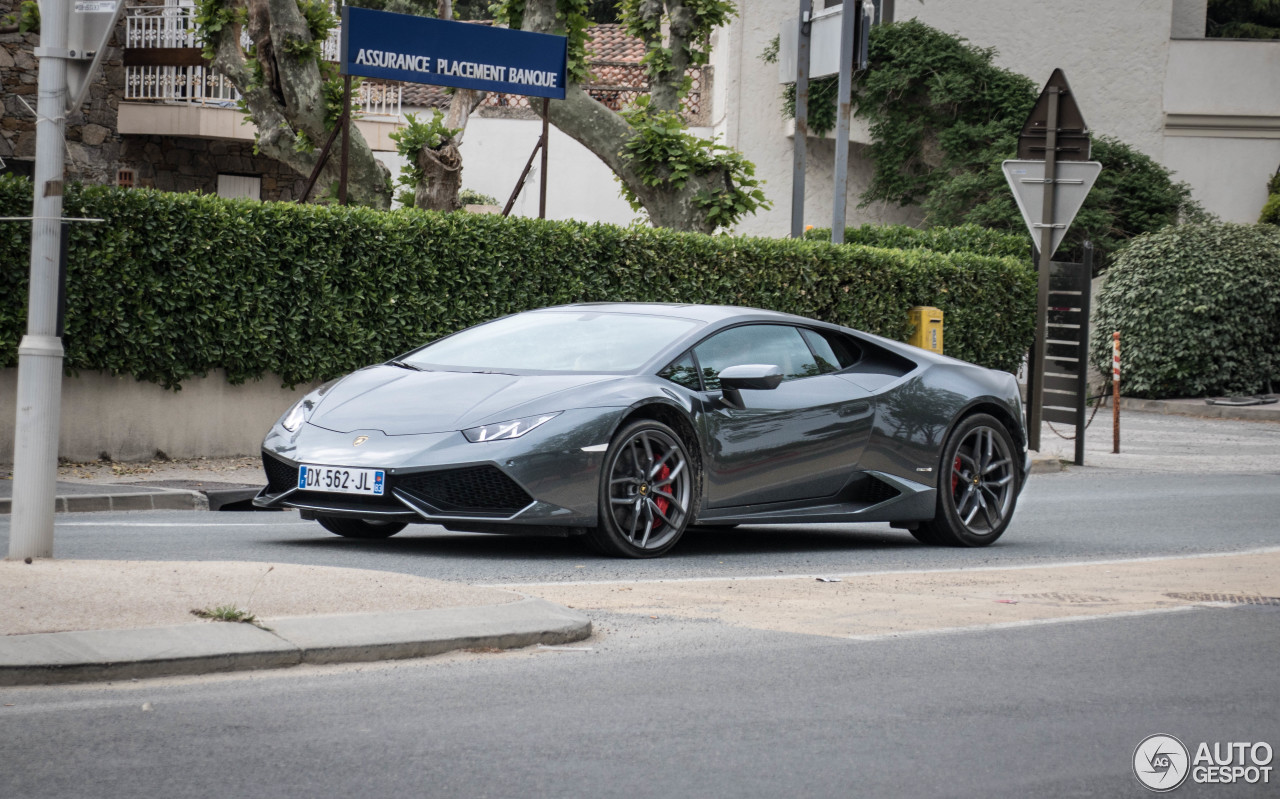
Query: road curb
(1043,465)
(168,499)
(98,655)
(1200,408)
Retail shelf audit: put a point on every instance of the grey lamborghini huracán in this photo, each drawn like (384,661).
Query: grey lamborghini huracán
(626,424)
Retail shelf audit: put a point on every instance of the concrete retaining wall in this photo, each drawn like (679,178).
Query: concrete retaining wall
(129,420)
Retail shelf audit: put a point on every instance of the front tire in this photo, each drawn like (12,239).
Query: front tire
(360,528)
(978,485)
(647,492)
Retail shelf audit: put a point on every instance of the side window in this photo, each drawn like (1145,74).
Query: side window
(779,345)
(833,351)
(682,372)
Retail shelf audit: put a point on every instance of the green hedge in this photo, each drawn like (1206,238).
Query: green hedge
(1198,310)
(175,285)
(964,238)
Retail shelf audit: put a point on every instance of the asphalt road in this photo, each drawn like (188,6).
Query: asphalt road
(1092,514)
(689,706)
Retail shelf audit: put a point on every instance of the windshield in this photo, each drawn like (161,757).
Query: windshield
(571,341)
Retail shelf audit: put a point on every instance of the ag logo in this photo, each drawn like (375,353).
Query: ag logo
(1161,763)
(359,440)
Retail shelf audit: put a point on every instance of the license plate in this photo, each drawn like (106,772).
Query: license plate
(345,481)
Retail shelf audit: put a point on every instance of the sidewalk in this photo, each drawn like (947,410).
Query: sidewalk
(107,620)
(1169,436)
(75,621)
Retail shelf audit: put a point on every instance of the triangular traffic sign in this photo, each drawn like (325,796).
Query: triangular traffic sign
(1070,188)
(1073,134)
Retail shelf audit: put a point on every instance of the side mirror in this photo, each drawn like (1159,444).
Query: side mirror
(757,376)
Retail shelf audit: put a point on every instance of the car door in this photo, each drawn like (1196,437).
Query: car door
(798,441)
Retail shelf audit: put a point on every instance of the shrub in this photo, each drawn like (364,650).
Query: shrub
(473,197)
(1198,310)
(965,238)
(1271,211)
(174,285)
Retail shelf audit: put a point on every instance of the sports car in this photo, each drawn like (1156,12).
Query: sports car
(628,423)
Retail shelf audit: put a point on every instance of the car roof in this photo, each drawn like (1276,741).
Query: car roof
(701,313)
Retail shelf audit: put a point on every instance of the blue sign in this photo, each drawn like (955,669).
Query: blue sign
(378,44)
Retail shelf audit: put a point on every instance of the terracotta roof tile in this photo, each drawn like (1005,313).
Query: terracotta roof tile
(611,43)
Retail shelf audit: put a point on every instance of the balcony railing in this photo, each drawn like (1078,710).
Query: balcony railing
(173,27)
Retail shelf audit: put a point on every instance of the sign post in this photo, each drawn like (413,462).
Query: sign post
(1054,132)
(440,52)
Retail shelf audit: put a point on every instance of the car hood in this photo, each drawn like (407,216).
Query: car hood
(402,402)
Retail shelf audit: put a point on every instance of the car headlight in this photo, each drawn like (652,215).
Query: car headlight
(298,414)
(501,431)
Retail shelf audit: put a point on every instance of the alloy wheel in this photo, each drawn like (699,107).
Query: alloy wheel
(982,480)
(649,489)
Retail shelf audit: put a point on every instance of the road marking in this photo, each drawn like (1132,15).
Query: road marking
(177,524)
(854,575)
(1012,625)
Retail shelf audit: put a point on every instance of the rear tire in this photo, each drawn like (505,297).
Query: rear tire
(648,492)
(359,528)
(978,485)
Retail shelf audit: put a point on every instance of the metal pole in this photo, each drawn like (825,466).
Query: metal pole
(35,450)
(345,122)
(324,156)
(850,17)
(802,120)
(1115,392)
(511,201)
(542,179)
(1036,390)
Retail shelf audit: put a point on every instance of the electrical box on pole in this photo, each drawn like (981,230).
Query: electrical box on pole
(89,27)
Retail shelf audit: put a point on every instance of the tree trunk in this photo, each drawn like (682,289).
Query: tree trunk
(605,133)
(288,106)
(442,171)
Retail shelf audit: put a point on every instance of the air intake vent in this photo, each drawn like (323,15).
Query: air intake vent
(280,475)
(872,491)
(478,489)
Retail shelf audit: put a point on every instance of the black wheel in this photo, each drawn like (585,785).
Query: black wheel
(360,528)
(977,486)
(647,492)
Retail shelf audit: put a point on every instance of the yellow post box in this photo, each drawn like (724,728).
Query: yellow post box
(927,322)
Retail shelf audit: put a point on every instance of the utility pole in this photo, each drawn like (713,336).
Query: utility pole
(35,451)
(800,142)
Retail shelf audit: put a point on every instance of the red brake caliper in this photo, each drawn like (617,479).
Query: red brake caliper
(955,475)
(662,502)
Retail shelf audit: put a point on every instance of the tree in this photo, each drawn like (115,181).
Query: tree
(433,176)
(1134,195)
(1243,19)
(682,181)
(293,97)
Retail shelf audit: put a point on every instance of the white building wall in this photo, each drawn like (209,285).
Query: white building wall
(495,150)
(1223,133)
(1133,75)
